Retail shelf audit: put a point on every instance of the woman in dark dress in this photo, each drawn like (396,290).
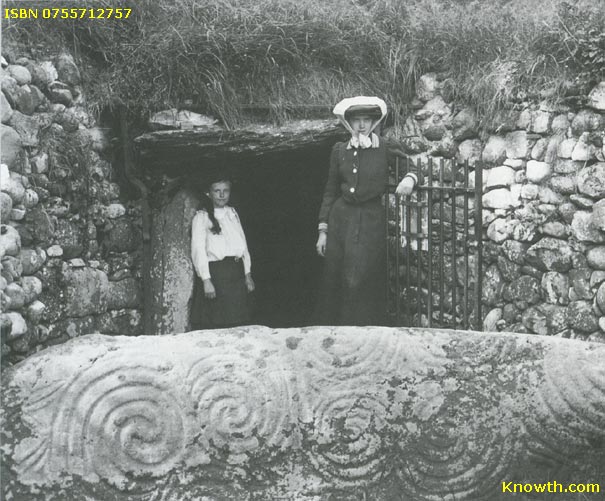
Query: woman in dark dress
(352,232)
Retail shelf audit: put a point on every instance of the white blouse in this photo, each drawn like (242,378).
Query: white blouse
(206,246)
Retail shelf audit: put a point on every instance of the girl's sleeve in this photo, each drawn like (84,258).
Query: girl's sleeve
(246,257)
(199,229)
(331,190)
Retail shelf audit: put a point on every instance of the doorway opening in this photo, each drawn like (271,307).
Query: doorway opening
(278,198)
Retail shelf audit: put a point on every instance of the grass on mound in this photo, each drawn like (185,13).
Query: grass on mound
(221,56)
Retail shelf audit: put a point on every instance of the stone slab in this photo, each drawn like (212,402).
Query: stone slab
(318,413)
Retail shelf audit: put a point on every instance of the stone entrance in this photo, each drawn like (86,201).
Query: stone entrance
(279,174)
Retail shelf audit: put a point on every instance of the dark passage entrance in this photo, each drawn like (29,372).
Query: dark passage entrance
(278,198)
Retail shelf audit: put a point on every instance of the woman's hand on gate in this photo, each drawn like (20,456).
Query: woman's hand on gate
(209,290)
(249,282)
(321,243)
(405,187)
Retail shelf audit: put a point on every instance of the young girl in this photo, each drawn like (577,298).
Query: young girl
(222,262)
(352,227)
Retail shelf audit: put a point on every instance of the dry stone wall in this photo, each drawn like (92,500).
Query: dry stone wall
(68,245)
(543,206)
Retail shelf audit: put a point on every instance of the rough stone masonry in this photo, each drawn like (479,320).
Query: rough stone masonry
(318,413)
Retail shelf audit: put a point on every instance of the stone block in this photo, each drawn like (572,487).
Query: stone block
(469,151)
(427,87)
(6,110)
(587,121)
(517,145)
(10,241)
(540,121)
(11,152)
(349,410)
(583,230)
(555,287)
(21,74)
(596,97)
(550,254)
(564,185)
(124,294)
(591,180)
(581,317)
(27,127)
(596,257)
(86,291)
(499,230)
(560,124)
(597,218)
(498,199)
(67,71)
(18,325)
(494,151)
(465,124)
(537,171)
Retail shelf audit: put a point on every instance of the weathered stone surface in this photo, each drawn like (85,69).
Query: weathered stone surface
(301,414)
(600,298)
(6,205)
(175,119)
(584,149)
(596,98)
(427,87)
(523,289)
(537,171)
(123,322)
(515,251)
(586,121)
(555,287)
(171,274)
(11,147)
(162,147)
(491,320)
(581,317)
(535,321)
(86,291)
(563,184)
(6,110)
(566,147)
(469,151)
(591,180)
(124,294)
(597,217)
(554,229)
(550,254)
(540,121)
(27,127)
(465,124)
(67,70)
(498,199)
(18,325)
(499,176)
(492,285)
(596,257)
(20,73)
(517,144)
(583,230)
(494,151)
(70,237)
(499,230)
(10,241)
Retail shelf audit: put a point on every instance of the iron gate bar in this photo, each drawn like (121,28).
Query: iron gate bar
(466,273)
(441,240)
(419,242)
(479,241)
(397,244)
(430,244)
(454,270)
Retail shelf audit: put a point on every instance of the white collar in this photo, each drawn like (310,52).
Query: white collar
(364,142)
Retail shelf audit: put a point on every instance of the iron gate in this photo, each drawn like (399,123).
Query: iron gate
(434,246)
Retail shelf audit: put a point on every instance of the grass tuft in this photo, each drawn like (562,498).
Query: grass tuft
(222,56)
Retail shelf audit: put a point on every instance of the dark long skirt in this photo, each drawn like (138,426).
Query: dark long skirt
(231,305)
(353,290)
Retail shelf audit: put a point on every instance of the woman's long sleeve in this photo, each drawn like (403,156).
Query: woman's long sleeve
(199,256)
(246,256)
(332,189)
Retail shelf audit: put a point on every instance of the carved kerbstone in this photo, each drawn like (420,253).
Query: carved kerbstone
(303,414)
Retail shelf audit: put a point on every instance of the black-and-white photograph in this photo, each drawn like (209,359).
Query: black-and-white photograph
(302,250)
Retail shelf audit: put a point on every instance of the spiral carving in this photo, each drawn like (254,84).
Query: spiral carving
(569,406)
(444,463)
(112,421)
(239,405)
(347,441)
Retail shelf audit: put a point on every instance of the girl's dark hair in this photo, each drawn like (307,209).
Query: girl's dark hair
(220,177)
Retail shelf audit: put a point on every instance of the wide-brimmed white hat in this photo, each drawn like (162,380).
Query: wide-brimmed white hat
(367,105)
